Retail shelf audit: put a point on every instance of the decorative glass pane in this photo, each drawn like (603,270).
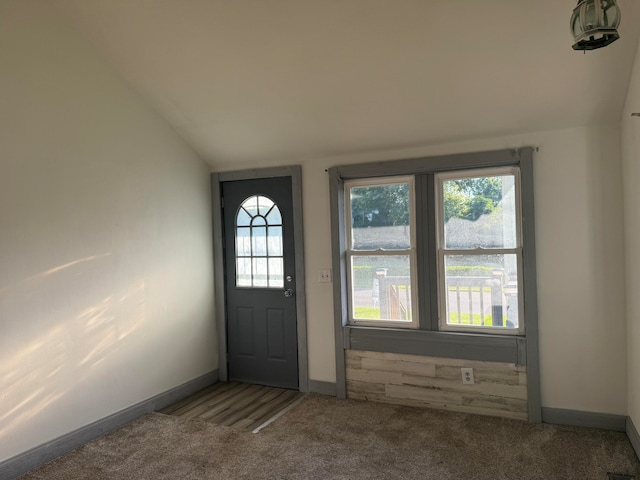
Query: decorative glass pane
(264,204)
(381,288)
(259,244)
(276,277)
(251,206)
(243,242)
(274,217)
(259,241)
(243,218)
(259,272)
(481,290)
(243,272)
(258,221)
(275,241)
(380,217)
(480,212)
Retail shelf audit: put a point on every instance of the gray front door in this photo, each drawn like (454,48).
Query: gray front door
(262,341)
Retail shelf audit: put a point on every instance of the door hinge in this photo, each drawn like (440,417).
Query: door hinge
(221,202)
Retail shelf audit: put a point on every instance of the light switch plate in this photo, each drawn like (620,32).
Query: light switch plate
(324,276)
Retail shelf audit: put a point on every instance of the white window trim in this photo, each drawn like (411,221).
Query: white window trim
(411,252)
(441,251)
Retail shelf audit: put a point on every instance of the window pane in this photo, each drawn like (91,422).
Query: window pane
(258,221)
(380,217)
(275,241)
(243,242)
(251,206)
(480,212)
(264,204)
(274,217)
(243,272)
(259,272)
(381,288)
(243,218)
(481,290)
(259,241)
(276,276)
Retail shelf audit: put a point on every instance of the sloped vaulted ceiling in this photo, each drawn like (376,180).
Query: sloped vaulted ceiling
(289,79)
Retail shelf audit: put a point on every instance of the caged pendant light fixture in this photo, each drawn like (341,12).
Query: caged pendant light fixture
(594,24)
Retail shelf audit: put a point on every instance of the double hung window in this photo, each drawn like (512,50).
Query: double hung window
(466,266)
(479,250)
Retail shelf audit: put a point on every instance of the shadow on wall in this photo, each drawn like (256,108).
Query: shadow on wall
(59,327)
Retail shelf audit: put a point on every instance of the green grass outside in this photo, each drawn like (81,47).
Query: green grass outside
(373,313)
(477,319)
(367,312)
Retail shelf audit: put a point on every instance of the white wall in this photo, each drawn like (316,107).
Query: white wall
(580,261)
(631,170)
(105,239)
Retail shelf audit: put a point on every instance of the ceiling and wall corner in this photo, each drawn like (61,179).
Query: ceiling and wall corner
(631,173)
(287,80)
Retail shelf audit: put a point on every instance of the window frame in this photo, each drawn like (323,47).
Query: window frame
(442,251)
(521,350)
(411,252)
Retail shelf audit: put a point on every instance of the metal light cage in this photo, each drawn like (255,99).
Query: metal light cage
(594,24)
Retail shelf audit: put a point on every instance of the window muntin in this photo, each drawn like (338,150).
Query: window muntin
(480,250)
(259,247)
(380,252)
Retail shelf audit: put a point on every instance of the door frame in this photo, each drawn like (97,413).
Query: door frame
(217,178)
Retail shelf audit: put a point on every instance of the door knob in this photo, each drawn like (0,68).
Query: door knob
(288,293)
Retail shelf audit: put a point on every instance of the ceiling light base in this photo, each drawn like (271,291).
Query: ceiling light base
(593,43)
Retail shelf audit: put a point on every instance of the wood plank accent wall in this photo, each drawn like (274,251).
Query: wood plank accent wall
(500,389)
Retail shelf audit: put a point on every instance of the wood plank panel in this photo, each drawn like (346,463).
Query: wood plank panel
(371,397)
(401,366)
(428,395)
(453,362)
(364,387)
(494,389)
(482,374)
(374,376)
(499,389)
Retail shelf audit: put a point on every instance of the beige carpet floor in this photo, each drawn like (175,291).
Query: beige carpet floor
(326,438)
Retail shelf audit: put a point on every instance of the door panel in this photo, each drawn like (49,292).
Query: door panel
(276,334)
(260,282)
(246,344)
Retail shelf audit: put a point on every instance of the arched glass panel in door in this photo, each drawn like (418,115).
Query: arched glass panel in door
(259,251)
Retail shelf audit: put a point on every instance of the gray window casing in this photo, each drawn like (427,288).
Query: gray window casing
(428,341)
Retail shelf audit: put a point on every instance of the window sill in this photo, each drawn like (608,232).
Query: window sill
(466,346)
